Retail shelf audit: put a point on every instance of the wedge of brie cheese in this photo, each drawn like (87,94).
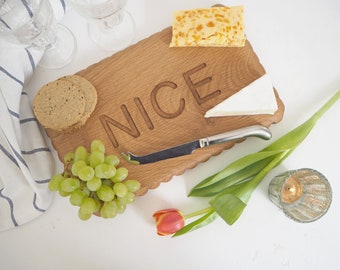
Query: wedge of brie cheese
(256,98)
(209,27)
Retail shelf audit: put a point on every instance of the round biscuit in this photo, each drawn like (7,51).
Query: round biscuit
(59,105)
(89,92)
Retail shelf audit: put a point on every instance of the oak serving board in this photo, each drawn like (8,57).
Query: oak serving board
(152,97)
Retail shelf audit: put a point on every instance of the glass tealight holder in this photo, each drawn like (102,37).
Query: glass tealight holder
(304,195)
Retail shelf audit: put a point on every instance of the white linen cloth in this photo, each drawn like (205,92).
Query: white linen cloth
(26,162)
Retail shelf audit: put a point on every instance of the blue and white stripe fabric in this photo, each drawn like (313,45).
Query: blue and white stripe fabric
(26,162)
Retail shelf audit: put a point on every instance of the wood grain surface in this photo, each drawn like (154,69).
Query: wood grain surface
(151,97)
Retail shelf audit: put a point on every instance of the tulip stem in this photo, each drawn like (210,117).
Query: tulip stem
(198,213)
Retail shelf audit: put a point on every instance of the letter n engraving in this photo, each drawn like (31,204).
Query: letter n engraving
(144,113)
(107,122)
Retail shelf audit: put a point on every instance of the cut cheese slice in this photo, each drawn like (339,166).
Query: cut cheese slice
(256,98)
(209,27)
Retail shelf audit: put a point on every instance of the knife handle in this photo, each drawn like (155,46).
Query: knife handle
(250,131)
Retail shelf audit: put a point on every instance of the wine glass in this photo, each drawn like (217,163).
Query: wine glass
(32,24)
(110,26)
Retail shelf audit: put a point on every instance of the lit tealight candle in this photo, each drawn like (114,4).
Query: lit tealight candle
(291,190)
(304,195)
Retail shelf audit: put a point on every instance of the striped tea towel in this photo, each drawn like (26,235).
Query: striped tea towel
(26,163)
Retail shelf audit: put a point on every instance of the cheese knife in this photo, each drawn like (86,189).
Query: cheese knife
(188,148)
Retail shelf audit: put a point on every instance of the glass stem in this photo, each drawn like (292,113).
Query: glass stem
(113,20)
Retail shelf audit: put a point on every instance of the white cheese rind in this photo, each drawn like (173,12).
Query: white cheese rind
(256,98)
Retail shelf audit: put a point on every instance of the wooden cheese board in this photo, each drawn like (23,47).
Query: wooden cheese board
(152,97)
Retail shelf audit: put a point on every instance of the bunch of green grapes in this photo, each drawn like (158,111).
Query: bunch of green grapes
(94,182)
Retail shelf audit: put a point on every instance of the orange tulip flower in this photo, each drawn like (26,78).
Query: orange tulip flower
(168,221)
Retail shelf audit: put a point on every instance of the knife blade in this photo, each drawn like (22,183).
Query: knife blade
(188,148)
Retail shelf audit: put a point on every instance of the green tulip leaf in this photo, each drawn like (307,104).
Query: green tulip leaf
(199,223)
(236,167)
(228,206)
(244,174)
(232,187)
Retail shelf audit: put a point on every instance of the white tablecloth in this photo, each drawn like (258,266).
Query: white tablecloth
(298,44)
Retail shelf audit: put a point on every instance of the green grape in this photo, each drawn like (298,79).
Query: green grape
(130,197)
(105,171)
(85,190)
(88,206)
(120,189)
(76,166)
(69,184)
(109,210)
(94,183)
(86,173)
(105,193)
(107,182)
(112,160)
(96,158)
(121,200)
(98,204)
(69,157)
(80,154)
(55,181)
(132,185)
(63,193)
(84,216)
(121,205)
(121,174)
(97,145)
(77,197)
